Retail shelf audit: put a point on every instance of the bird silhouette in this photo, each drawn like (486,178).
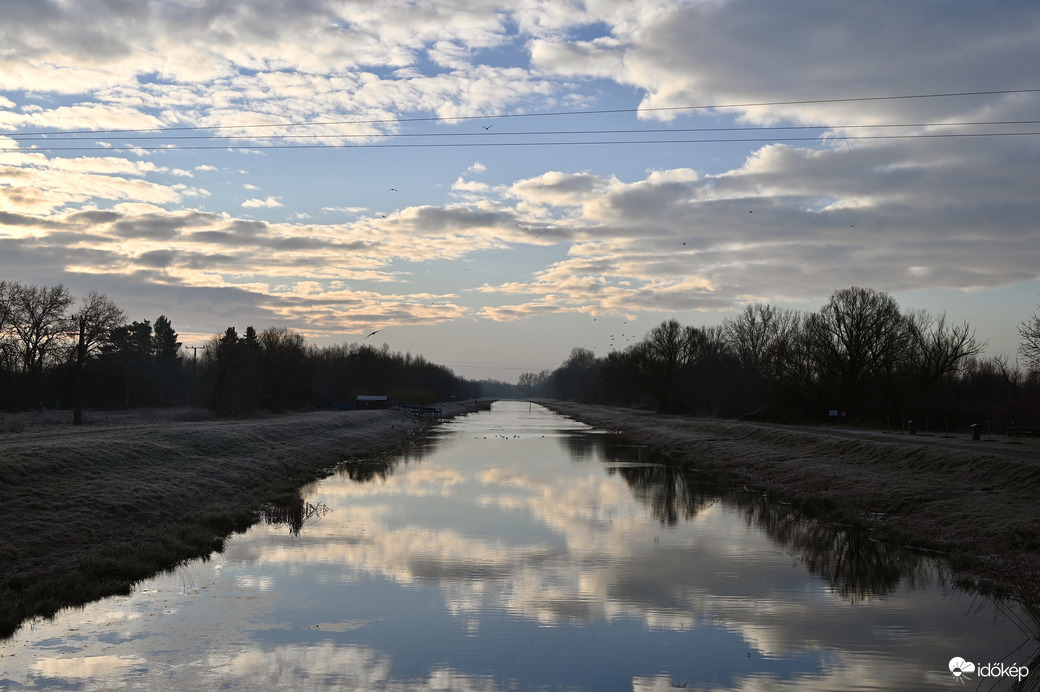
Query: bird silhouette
(393,189)
(373,333)
(487,127)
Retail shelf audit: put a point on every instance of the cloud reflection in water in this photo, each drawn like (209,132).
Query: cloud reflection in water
(519,550)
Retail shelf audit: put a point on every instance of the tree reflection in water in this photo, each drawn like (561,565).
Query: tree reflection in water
(855,566)
(382,468)
(668,493)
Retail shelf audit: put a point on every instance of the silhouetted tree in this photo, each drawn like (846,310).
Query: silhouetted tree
(937,351)
(223,357)
(760,340)
(166,353)
(38,320)
(664,358)
(284,369)
(8,350)
(1029,348)
(857,338)
(93,322)
(577,378)
(128,358)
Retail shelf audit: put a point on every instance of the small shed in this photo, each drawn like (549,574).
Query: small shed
(372,401)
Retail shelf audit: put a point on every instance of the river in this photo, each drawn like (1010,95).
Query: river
(515,549)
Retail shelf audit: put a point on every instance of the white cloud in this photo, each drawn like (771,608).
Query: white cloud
(269,202)
(462,185)
(349,210)
(562,189)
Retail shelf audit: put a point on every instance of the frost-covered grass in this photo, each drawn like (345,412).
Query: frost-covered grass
(88,511)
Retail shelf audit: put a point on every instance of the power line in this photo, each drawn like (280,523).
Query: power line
(528,133)
(611,111)
(451,145)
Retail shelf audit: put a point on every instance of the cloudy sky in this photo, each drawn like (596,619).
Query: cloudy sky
(492,183)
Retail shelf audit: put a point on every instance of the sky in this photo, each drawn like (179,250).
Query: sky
(490,184)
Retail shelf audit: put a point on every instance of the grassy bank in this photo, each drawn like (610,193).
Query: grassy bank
(976,502)
(86,512)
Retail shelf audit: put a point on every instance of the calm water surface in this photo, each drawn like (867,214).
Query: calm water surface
(519,550)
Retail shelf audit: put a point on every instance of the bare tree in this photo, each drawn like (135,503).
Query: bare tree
(672,347)
(1009,371)
(759,337)
(940,349)
(38,321)
(94,322)
(857,338)
(1029,348)
(285,369)
(7,349)
(665,354)
(577,377)
(526,382)
(6,293)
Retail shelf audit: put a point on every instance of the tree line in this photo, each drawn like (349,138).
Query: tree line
(57,352)
(276,371)
(859,357)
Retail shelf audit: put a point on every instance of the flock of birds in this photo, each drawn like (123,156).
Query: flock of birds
(615,339)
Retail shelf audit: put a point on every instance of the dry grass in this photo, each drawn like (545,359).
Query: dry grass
(87,511)
(977,502)
(49,419)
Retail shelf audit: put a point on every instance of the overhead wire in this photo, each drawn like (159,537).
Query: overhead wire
(647,136)
(494,116)
(525,133)
(449,145)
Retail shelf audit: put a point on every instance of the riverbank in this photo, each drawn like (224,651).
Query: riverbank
(979,506)
(87,511)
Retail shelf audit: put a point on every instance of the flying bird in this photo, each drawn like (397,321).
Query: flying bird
(393,189)
(373,333)
(487,127)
